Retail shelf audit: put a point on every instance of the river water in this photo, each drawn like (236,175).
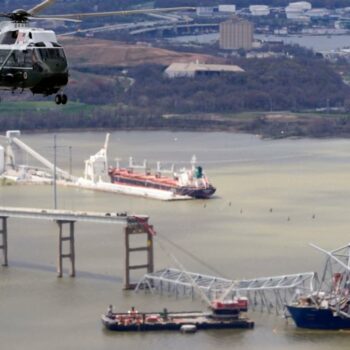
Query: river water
(314,42)
(305,183)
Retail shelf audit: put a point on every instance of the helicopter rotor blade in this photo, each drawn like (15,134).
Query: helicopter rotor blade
(40,7)
(122,13)
(37,18)
(4,15)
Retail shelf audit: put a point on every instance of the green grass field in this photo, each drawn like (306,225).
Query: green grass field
(11,107)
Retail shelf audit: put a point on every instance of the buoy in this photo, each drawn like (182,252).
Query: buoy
(188,328)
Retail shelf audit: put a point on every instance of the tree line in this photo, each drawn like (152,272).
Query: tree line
(280,83)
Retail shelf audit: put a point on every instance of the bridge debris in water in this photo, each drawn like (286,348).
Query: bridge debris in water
(268,293)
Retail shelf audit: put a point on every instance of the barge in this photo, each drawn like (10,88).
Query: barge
(223,315)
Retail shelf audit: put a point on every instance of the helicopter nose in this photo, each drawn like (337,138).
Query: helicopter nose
(58,67)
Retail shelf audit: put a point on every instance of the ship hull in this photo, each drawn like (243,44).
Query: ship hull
(193,192)
(198,193)
(317,318)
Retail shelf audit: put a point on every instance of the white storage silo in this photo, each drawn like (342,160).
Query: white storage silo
(259,10)
(227,8)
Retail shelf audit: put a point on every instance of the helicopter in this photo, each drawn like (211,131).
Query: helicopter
(32,59)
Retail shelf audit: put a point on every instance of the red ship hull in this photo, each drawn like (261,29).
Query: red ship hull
(128,178)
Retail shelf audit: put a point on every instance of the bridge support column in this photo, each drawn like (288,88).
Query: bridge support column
(3,233)
(138,228)
(71,248)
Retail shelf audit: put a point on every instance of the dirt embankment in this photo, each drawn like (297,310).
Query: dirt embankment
(87,52)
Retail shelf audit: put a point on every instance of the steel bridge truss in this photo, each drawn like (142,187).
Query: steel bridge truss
(269,293)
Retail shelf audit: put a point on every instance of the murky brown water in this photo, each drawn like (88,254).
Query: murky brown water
(296,178)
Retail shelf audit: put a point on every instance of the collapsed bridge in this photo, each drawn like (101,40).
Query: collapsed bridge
(267,293)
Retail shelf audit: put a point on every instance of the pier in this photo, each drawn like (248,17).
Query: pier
(66,220)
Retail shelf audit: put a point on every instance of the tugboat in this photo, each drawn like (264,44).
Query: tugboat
(223,315)
(328,305)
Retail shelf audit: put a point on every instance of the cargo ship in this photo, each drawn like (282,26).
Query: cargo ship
(185,183)
(139,180)
(223,315)
(315,317)
(328,304)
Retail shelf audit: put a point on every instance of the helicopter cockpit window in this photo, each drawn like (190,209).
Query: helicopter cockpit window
(12,60)
(3,55)
(16,59)
(48,54)
(22,58)
(9,38)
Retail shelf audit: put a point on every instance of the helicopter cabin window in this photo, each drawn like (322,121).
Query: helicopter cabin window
(9,38)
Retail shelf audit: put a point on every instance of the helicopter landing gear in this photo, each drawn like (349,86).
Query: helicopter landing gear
(61,99)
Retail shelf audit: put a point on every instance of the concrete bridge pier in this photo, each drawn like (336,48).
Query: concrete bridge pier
(62,239)
(3,233)
(138,228)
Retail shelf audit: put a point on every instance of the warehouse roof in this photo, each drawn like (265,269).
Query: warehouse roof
(201,67)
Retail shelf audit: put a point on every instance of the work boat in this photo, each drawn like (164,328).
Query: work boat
(223,315)
(328,305)
(186,182)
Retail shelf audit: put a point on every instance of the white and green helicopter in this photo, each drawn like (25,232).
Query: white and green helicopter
(32,59)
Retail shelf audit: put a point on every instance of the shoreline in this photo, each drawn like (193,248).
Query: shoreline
(272,125)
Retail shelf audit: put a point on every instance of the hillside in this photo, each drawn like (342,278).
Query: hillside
(87,52)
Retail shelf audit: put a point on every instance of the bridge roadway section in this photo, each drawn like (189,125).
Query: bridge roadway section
(133,224)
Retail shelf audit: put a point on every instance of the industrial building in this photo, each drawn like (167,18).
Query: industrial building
(193,69)
(236,34)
